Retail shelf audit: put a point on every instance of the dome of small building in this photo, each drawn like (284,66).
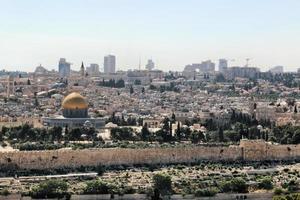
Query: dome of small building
(111,125)
(74,101)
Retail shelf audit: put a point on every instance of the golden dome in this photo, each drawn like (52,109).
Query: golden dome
(74,101)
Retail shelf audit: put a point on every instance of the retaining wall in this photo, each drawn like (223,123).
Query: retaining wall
(249,150)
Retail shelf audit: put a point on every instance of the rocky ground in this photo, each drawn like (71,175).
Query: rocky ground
(185,179)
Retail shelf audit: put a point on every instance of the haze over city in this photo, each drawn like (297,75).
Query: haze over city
(173,33)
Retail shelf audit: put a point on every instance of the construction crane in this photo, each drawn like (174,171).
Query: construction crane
(231,60)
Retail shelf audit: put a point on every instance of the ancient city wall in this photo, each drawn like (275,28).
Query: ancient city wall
(249,150)
(254,149)
(259,150)
(283,152)
(115,156)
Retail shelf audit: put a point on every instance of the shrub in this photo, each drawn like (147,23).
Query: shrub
(4,192)
(129,190)
(286,170)
(210,192)
(239,185)
(266,183)
(226,186)
(100,170)
(97,187)
(50,189)
(278,191)
(291,186)
(287,197)
(235,185)
(162,183)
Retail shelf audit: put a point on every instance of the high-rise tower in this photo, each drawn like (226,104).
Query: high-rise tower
(64,68)
(150,65)
(110,64)
(223,65)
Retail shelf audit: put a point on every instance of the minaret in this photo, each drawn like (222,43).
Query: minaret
(82,69)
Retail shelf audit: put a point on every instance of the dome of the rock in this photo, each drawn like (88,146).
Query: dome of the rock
(74,101)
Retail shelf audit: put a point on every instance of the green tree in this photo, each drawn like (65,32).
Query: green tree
(291,185)
(55,133)
(162,88)
(131,91)
(145,133)
(296,137)
(100,169)
(23,133)
(173,118)
(122,134)
(36,102)
(221,134)
(120,83)
(220,78)
(66,130)
(75,134)
(178,132)
(91,133)
(4,130)
(143,90)
(232,135)
(152,87)
(137,82)
(196,137)
(166,132)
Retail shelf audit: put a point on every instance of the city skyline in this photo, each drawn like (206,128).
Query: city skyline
(35,32)
(95,68)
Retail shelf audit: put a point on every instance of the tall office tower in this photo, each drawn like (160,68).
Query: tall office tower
(150,65)
(276,70)
(109,64)
(82,69)
(93,69)
(223,65)
(64,68)
(207,66)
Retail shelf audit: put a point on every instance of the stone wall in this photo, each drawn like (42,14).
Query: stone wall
(249,150)
(259,150)
(283,152)
(115,156)
(254,149)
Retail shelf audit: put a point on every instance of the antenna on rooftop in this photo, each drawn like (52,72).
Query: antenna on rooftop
(139,63)
(247,62)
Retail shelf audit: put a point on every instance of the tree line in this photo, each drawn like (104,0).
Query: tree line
(113,83)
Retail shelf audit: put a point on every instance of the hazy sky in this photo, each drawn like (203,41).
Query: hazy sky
(172,32)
